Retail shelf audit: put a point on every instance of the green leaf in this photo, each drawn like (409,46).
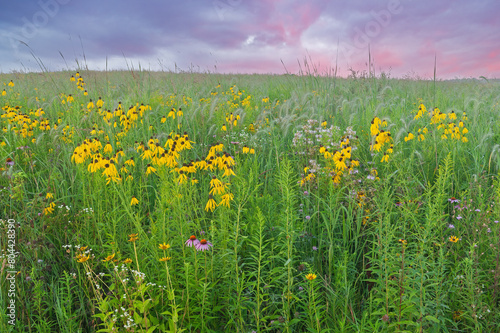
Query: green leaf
(432,318)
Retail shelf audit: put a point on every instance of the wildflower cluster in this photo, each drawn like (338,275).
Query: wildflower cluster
(453,129)
(26,125)
(381,138)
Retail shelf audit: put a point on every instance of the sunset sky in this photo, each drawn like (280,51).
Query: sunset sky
(243,36)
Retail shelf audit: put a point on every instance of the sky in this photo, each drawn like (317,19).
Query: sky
(403,38)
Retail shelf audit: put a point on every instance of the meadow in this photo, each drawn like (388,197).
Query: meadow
(137,201)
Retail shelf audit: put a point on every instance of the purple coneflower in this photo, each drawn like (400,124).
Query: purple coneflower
(9,162)
(203,245)
(453,200)
(192,241)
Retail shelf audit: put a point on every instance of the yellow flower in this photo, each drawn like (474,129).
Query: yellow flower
(134,201)
(133,237)
(81,258)
(164,246)
(11,83)
(310,276)
(165,258)
(50,209)
(109,258)
(49,196)
(127,261)
(211,204)
(226,200)
(150,169)
(453,239)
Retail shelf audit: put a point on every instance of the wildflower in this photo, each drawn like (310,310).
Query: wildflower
(409,137)
(192,241)
(451,226)
(315,248)
(50,209)
(109,258)
(453,200)
(203,245)
(226,200)
(99,103)
(133,237)
(453,239)
(49,196)
(127,261)
(164,246)
(211,204)
(134,201)
(150,170)
(9,161)
(310,276)
(385,158)
(81,258)
(459,217)
(165,258)
(11,83)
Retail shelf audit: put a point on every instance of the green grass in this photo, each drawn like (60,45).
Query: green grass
(378,239)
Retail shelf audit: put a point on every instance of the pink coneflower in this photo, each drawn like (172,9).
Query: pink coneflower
(192,241)
(9,161)
(203,245)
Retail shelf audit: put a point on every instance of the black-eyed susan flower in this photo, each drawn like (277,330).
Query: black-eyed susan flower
(134,201)
(453,239)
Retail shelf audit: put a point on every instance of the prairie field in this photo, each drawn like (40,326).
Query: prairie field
(137,201)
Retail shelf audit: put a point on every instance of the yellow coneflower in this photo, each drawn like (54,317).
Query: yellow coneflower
(49,196)
(164,246)
(310,276)
(134,201)
(109,258)
(165,258)
(226,200)
(133,237)
(127,261)
(211,204)
(385,158)
(81,258)
(50,209)
(150,170)
(99,103)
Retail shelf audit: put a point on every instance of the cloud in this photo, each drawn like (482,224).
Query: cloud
(255,36)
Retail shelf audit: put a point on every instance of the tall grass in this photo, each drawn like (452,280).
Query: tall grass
(294,252)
